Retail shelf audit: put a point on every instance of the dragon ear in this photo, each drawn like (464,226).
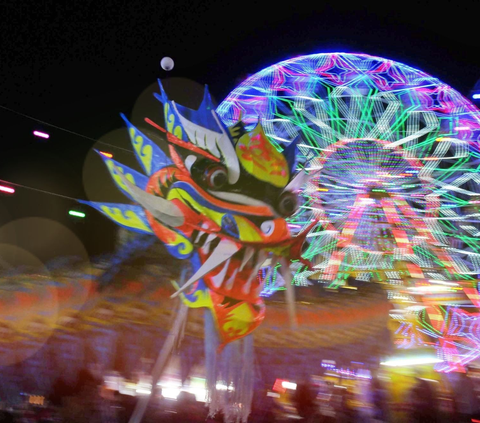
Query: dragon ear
(149,154)
(115,168)
(201,117)
(260,157)
(129,216)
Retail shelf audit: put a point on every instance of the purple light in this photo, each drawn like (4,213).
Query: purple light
(41,134)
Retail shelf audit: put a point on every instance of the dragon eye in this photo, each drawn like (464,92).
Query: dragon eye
(216,177)
(287,204)
(268,227)
(208,174)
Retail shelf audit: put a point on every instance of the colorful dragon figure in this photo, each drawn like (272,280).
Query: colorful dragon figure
(220,199)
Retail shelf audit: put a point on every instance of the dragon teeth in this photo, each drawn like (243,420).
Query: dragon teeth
(247,256)
(199,237)
(260,258)
(224,250)
(231,280)
(206,246)
(218,279)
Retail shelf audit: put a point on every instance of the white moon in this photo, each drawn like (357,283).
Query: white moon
(167,63)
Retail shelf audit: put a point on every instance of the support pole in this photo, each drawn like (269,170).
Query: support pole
(289,293)
(162,360)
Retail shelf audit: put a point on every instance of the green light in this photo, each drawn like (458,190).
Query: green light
(76,213)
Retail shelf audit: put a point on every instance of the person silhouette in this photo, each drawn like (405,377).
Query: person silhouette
(423,402)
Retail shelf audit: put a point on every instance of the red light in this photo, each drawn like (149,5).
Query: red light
(278,387)
(8,190)
(109,155)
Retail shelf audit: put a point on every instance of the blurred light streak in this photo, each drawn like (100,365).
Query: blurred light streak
(412,361)
(289,385)
(76,213)
(41,134)
(8,190)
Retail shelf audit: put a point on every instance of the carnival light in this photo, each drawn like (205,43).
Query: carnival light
(446,283)
(76,213)
(41,134)
(8,190)
(143,391)
(289,385)
(429,289)
(410,361)
(369,223)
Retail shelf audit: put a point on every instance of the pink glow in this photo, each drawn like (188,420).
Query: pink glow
(9,190)
(41,134)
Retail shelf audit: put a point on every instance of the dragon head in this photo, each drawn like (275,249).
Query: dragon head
(220,199)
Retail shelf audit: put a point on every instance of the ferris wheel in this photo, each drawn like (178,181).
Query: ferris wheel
(392,155)
(392,167)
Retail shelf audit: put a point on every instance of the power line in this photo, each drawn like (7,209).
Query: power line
(63,129)
(39,190)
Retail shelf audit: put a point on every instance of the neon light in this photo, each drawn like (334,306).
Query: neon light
(446,283)
(143,391)
(76,213)
(41,134)
(289,385)
(8,190)
(461,128)
(103,153)
(476,96)
(430,289)
(412,361)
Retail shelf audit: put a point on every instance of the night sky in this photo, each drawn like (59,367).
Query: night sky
(77,66)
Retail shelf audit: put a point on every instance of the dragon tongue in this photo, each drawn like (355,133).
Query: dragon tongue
(222,253)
